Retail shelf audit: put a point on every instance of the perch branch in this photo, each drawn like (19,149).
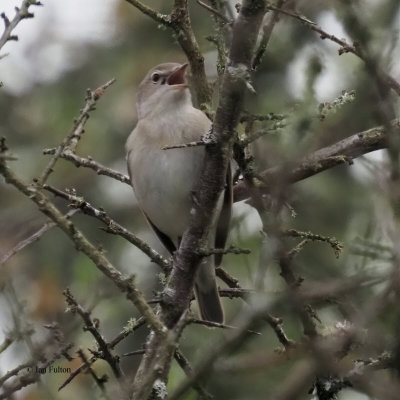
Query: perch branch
(178,291)
(112,226)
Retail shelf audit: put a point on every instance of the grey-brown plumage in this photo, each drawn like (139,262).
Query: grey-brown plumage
(163,179)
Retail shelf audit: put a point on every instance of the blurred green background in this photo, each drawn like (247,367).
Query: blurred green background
(70,46)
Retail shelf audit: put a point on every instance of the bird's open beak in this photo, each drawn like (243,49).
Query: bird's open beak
(177,78)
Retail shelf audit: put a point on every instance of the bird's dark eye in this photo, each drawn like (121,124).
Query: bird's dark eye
(155,77)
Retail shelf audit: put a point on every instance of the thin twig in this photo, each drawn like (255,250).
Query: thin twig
(183,362)
(217,325)
(99,381)
(179,21)
(32,239)
(20,14)
(15,371)
(345,47)
(267,32)
(229,250)
(225,345)
(112,226)
(184,145)
(336,245)
(73,137)
(88,162)
(232,293)
(223,18)
(132,326)
(7,342)
(134,353)
(320,160)
(90,326)
(82,244)
(158,17)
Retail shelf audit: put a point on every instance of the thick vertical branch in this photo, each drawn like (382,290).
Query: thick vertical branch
(178,291)
(181,24)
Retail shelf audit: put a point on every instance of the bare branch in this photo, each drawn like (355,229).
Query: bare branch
(217,325)
(71,140)
(267,32)
(333,242)
(32,239)
(90,326)
(20,14)
(225,345)
(222,17)
(132,326)
(90,163)
(185,145)
(229,250)
(179,21)
(187,368)
(100,382)
(82,244)
(112,226)
(345,47)
(158,17)
(237,291)
(339,153)
(31,375)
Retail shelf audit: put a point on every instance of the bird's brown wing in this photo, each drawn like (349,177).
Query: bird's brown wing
(224,217)
(164,239)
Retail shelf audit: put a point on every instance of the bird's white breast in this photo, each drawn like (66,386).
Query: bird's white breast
(163,179)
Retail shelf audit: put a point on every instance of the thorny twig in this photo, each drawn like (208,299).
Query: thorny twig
(131,327)
(71,140)
(336,245)
(88,162)
(112,226)
(219,15)
(90,325)
(32,239)
(82,244)
(20,14)
(344,46)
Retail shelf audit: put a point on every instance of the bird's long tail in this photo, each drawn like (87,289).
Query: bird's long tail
(206,292)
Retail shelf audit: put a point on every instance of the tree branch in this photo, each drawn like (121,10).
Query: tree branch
(82,244)
(338,153)
(178,291)
(158,17)
(112,226)
(71,140)
(345,47)
(31,239)
(20,14)
(90,326)
(91,164)
(179,21)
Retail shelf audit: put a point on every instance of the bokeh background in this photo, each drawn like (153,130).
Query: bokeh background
(70,46)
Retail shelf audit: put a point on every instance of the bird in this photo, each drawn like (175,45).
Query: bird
(163,179)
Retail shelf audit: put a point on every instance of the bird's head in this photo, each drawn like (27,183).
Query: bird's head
(163,89)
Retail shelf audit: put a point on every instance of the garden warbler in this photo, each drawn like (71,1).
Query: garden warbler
(163,180)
